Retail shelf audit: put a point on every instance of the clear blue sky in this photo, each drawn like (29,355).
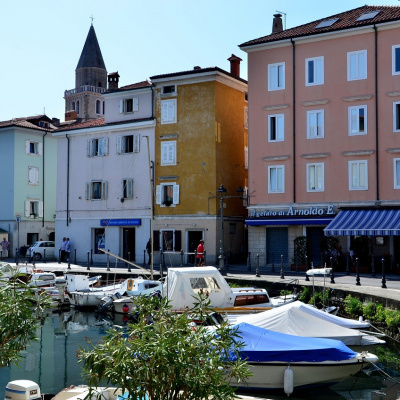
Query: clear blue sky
(41,41)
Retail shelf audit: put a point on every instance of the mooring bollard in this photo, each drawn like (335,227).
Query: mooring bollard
(88,261)
(108,260)
(129,259)
(307,278)
(282,272)
(383,275)
(75,256)
(59,255)
(249,261)
(257,265)
(358,272)
(44,255)
(91,256)
(332,274)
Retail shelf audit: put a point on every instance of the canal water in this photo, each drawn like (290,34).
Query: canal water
(52,363)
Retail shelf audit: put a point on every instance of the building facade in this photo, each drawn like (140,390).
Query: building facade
(104,178)
(200,144)
(324,144)
(28,200)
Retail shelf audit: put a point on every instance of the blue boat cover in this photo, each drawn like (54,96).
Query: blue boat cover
(264,345)
(384,222)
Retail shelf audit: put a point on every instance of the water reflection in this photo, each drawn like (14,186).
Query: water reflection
(52,361)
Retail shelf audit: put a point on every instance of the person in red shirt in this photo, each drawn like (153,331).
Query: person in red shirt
(200,253)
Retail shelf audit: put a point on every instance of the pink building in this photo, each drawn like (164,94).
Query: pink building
(324,140)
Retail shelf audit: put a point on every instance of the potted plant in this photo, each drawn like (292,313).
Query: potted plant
(302,252)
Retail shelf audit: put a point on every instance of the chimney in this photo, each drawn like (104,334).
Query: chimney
(113,80)
(55,121)
(196,68)
(277,25)
(235,65)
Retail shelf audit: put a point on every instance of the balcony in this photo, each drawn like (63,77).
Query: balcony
(84,88)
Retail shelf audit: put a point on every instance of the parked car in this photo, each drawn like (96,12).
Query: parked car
(41,250)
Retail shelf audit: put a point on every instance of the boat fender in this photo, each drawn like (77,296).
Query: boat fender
(125,308)
(288,381)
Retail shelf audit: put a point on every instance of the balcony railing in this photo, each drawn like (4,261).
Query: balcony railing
(84,88)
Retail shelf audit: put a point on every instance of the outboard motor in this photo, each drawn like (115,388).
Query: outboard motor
(22,390)
(106,304)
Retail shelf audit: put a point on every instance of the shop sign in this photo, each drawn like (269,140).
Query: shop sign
(317,211)
(121,222)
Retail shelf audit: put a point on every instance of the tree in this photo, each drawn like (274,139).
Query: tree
(166,357)
(18,318)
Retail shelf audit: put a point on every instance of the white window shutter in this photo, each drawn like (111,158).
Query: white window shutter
(129,188)
(164,112)
(27,146)
(164,153)
(158,194)
(246,157)
(27,208)
(119,144)
(121,106)
(176,194)
(40,148)
(104,190)
(40,208)
(105,146)
(136,143)
(172,153)
(89,147)
(135,101)
(30,176)
(88,193)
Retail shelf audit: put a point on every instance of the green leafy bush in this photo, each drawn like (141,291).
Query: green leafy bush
(369,311)
(353,306)
(392,318)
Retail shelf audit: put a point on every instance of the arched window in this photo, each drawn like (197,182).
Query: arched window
(98,107)
(104,107)
(73,106)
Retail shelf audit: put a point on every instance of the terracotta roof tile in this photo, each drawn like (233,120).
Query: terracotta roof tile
(29,122)
(346,20)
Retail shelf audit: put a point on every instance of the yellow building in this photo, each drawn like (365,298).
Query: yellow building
(200,144)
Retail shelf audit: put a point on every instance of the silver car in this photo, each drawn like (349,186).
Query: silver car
(41,250)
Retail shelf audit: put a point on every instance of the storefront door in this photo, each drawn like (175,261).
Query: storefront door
(128,244)
(277,246)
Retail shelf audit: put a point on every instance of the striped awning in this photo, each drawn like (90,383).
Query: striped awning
(385,222)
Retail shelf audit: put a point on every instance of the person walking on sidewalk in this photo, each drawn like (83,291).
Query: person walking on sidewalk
(200,253)
(4,248)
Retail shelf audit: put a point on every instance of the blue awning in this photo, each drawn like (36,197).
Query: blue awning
(288,221)
(385,222)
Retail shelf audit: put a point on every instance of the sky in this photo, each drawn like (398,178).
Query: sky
(41,40)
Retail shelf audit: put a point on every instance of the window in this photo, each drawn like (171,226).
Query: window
(98,107)
(315,177)
(129,105)
(315,124)
(128,144)
(358,120)
(396,170)
(167,194)
(99,240)
(276,128)
(169,89)
(168,111)
(168,153)
(396,59)
(44,124)
(33,175)
(358,175)
(246,117)
(396,116)
(33,147)
(276,179)
(326,23)
(169,240)
(97,147)
(33,208)
(96,190)
(127,188)
(276,76)
(77,107)
(357,65)
(314,71)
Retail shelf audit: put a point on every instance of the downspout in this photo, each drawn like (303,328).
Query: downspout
(294,118)
(43,181)
(376,114)
(67,179)
(152,101)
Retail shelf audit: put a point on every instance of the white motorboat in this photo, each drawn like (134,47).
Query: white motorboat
(293,320)
(281,361)
(182,285)
(123,304)
(82,294)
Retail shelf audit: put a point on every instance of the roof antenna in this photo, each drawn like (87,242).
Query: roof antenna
(92,18)
(284,18)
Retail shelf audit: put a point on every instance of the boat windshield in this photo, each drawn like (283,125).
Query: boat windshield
(208,283)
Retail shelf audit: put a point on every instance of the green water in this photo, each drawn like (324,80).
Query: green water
(52,363)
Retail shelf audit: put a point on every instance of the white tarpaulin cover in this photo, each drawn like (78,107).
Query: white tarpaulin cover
(296,319)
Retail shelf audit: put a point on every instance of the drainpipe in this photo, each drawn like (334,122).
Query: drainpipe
(294,119)
(66,135)
(43,180)
(376,114)
(152,101)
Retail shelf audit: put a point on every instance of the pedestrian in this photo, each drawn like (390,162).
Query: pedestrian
(200,253)
(148,249)
(4,248)
(62,247)
(67,249)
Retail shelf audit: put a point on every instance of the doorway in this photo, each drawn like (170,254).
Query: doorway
(128,244)
(193,240)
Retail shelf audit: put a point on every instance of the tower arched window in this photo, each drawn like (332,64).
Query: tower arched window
(73,106)
(77,107)
(104,107)
(98,107)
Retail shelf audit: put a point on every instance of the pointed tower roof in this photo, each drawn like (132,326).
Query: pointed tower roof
(91,53)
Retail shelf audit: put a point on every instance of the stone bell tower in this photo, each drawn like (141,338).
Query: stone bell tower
(85,101)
